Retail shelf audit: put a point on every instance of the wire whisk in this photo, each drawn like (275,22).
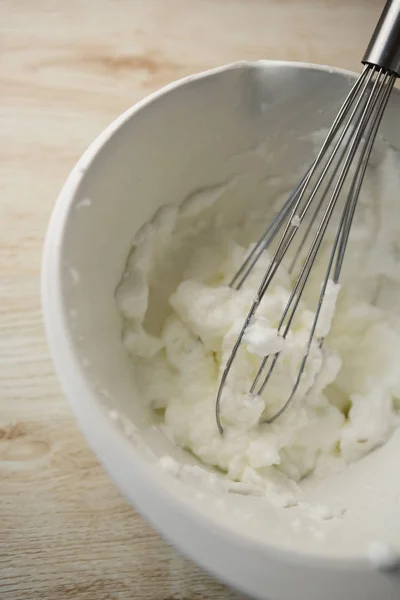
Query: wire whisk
(347,148)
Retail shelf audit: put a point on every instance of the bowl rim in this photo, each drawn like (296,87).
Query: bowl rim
(68,367)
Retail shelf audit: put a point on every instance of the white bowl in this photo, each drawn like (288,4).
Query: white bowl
(195,133)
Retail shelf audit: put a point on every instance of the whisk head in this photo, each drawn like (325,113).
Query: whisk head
(312,203)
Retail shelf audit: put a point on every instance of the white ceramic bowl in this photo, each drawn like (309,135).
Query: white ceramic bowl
(195,133)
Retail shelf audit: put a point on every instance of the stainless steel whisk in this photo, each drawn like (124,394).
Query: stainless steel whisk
(349,142)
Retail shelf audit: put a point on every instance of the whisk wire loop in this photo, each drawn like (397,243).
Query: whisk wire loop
(353,131)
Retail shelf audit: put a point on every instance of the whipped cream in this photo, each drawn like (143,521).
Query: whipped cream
(181,320)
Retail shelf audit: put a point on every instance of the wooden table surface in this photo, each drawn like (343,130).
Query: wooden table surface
(67,68)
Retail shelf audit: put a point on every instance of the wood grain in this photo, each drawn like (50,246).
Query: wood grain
(66,70)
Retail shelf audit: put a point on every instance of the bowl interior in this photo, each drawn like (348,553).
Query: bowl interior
(244,127)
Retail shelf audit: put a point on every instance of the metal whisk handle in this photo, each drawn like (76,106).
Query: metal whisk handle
(384,48)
